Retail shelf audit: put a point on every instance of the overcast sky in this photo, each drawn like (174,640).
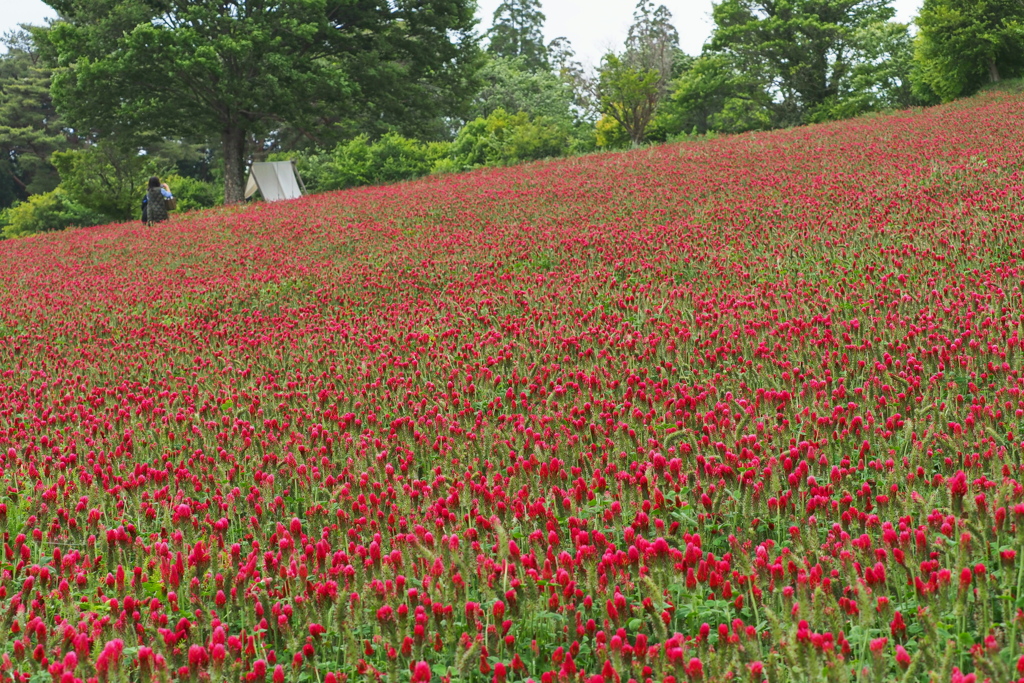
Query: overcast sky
(592,26)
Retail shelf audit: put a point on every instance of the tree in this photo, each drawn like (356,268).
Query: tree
(652,41)
(628,94)
(804,51)
(518,31)
(106,178)
(564,64)
(240,70)
(962,44)
(880,77)
(713,95)
(503,138)
(509,84)
(630,86)
(30,129)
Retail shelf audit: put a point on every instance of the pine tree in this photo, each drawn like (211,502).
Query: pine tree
(30,129)
(517,31)
(652,41)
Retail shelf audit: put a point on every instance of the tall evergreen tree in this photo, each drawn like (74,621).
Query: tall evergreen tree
(652,41)
(30,129)
(629,87)
(518,31)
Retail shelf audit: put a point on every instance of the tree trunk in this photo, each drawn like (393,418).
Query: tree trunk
(636,135)
(233,147)
(993,71)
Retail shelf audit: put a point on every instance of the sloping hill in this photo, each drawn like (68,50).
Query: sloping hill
(551,420)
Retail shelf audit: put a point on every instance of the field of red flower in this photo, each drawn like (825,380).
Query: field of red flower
(749,409)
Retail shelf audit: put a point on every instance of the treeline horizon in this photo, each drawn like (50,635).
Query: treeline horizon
(193,91)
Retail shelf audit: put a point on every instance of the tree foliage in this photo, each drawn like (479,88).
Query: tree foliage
(193,194)
(880,76)
(628,94)
(30,129)
(361,161)
(715,95)
(963,44)
(652,42)
(47,212)
(802,52)
(630,86)
(510,84)
(517,32)
(504,138)
(498,139)
(571,72)
(106,178)
(212,70)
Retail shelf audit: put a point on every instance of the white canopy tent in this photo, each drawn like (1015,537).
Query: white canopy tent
(275,180)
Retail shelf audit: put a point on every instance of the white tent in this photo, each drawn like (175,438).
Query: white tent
(275,180)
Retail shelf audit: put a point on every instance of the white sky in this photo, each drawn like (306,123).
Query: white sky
(592,26)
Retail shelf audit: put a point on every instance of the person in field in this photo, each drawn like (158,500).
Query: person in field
(157,202)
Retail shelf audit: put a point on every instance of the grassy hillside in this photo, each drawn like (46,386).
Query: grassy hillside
(749,407)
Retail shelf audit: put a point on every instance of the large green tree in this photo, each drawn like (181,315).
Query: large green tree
(630,86)
(803,51)
(628,94)
(652,41)
(234,71)
(963,44)
(107,178)
(30,129)
(713,94)
(880,77)
(509,84)
(517,31)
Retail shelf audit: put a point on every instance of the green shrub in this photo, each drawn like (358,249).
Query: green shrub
(446,165)
(106,178)
(348,165)
(193,194)
(498,140)
(438,153)
(47,212)
(609,134)
(583,140)
(358,162)
(503,138)
(394,158)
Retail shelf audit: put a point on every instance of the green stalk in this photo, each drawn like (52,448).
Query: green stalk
(753,606)
(1013,609)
